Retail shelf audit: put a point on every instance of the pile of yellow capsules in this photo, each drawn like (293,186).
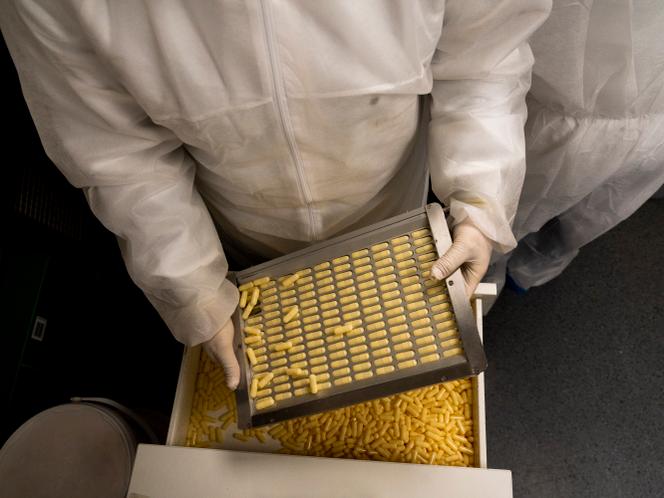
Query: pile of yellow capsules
(433,425)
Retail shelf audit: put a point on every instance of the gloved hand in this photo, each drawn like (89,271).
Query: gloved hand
(470,250)
(220,348)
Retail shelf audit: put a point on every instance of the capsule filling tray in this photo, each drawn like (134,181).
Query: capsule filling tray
(435,341)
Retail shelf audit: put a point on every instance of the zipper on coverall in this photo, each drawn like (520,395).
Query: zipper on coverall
(282,110)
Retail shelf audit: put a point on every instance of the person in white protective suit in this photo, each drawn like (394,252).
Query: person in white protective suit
(595,131)
(277,123)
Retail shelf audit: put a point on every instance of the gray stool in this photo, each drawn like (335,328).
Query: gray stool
(82,449)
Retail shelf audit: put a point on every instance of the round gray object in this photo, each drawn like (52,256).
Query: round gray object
(75,450)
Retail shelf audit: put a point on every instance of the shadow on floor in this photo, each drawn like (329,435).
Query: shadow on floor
(575,385)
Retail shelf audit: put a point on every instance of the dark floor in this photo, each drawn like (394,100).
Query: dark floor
(575,386)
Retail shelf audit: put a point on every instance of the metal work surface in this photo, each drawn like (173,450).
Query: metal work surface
(400,328)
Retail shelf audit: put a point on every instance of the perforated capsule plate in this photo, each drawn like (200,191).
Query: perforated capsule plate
(407,330)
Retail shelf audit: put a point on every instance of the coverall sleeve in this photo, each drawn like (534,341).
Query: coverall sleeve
(481,70)
(137,177)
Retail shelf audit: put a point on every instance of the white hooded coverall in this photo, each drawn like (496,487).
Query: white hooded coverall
(595,131)
(283,122)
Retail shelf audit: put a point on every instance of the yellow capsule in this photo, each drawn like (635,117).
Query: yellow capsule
(366,277)
(292,313)
(379,247)
(350,307)
(395,311)
(371,309)
(246,286)
(405,264)
(252,330)
(401,337)
(429,358)
(288,302)
(389,296)
(358,349)
(388,286)
(379,334)
(422,331)
(427,349)
(449,343)
(379,343)
(318,360)
(339,260)
(341,371)
(319,369)
(342,381)
(399,240)
(330,313)
(383,361)
(247,311)
(283,396)
(280,362)
(403,346)
(254,387)
(243,299)
(422,241)
(282,346)
(404,355)
(421,341)
(395,320)
(397,329)
(337,345)
(421,233)
(407,364)
(385,370)
(427,257)
(414,297)
(381,254)
(407,272)
(342,268)
(373,318)
(327,297)
(255,293)
(348,291)
(337,354)
(384,271)
(360,253)
(322,266)
(364,375)
(253,339)
(362,269)
(356,340)
(453,352)
(252,356)
(442,317)
(338,363)
(360,357)
(347,299)
(265,380)
(323,274)
(305,288)
(313,384)
(383,263)
(310,311)
(312,327)
(450,324)
(440,307)
(368,293)
(415,305)
(381,352)
(403,255)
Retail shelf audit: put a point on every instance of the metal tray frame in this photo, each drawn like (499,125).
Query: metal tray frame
(446,369)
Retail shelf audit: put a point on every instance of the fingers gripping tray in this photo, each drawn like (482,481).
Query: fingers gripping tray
(351,319)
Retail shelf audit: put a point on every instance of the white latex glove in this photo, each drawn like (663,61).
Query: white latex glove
(470,250)
(220,348)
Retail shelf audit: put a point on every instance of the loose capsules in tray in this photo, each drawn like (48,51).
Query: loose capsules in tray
(351,319)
